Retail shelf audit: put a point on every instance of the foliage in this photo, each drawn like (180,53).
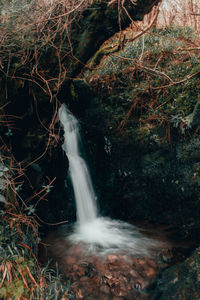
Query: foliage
(21,276)
(137,75)
(181,281)
(35,41)
(149,93)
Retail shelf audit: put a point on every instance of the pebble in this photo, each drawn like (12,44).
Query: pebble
(137,286)
(150,272)
(133,273)
(142,261)
(84,279)
(112,258)
(75,267)
(104,289)
(80,271)
(108,275)
(70,260)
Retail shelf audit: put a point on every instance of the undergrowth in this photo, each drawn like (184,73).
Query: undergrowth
(34,34)
(141,84)
(21,276)
(149,92)
(153,79)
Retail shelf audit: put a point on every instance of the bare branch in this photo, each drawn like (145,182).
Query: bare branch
(177,82)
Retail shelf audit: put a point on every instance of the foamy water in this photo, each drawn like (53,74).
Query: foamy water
(104,235)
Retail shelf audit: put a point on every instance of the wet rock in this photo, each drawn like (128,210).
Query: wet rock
(141,262)
(123,279)
(84,279)
(80,271)
(70,260)
(104,289)
(180,281)
(150,272)
(134,273)
(115,275)
(112,275)
(118,292)
(152,263)
(130,285)
(75,267)
(108,275)
(112,258)
(117,298)
(165,256)
(138,286)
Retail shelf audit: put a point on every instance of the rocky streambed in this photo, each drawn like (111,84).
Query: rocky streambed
(116,275)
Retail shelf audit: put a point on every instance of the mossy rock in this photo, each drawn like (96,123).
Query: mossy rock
(181,281)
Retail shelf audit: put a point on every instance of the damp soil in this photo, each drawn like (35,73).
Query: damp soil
(116,276)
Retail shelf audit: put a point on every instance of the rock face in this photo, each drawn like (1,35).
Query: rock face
(180,282)
(31,109)
(151,149)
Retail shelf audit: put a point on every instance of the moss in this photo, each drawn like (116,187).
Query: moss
(101,52)
(180,282)
(142,136)
(149,126)
(195,116)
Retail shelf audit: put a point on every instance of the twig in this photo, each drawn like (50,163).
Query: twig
(147,28)
(153,71)
(177,82)
(142,53)
(51,224)
(189,49)
(63,15)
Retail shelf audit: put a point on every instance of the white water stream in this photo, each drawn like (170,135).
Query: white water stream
(81,181)
(99,233)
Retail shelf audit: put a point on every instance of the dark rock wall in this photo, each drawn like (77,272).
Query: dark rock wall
(32,110)
(150,137)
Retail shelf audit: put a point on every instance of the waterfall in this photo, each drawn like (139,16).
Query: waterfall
(99,234)
(83,190)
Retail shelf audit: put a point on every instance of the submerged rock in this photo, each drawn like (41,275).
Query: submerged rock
(114,275)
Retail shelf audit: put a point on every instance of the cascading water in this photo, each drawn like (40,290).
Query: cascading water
(82,185)
(98,233)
